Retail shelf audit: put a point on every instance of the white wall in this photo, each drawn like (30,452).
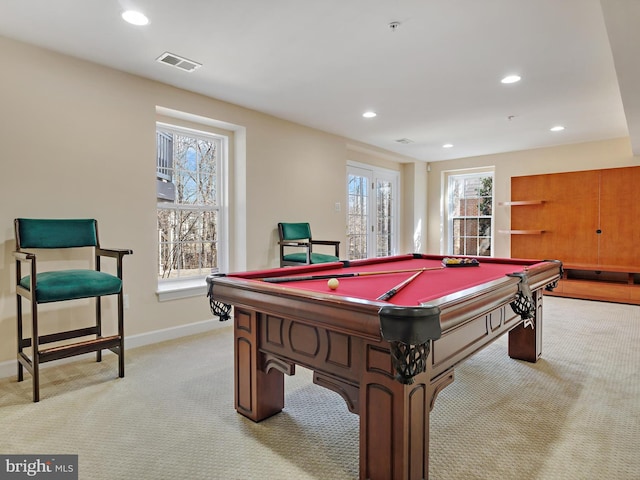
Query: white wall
(566,158)
(78,140)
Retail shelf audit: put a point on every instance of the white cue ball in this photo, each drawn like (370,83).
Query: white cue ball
(333,283)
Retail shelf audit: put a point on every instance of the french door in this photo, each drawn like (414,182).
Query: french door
(372,212)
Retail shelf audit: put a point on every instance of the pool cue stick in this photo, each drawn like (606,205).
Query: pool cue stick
(344,275)
(390,293)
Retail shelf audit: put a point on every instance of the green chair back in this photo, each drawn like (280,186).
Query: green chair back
(296,231)
(56,233)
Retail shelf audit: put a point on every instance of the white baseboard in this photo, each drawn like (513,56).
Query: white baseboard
(172,333)
(9,368)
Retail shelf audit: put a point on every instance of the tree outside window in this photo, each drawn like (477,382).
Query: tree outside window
(470,214)
(188,166)
(372,212)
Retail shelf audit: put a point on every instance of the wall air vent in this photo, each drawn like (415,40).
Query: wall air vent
(178,62)
(404,141)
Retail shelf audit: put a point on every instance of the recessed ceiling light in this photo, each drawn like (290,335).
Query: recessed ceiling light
(447,145)
(135,18)
(557,128)
(511,79)
(369,114)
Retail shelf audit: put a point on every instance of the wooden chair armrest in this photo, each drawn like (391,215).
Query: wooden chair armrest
(113,252)
(117,253)
(24,256)
(334,243)
(30,257)
(294,244)
(326,242)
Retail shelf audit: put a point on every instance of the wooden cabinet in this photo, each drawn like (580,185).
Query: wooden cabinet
(568,216)
(620,217)
(589,220)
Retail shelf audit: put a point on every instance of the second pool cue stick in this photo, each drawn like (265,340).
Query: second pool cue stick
(390,293)
(343,275)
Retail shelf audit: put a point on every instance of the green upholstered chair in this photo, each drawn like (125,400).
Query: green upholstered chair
(296,246)
(39,287)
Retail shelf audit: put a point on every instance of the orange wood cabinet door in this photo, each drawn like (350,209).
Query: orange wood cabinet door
(619,242)
(568,216)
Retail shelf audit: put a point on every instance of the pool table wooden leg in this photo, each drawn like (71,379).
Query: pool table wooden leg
(394,421)
(258,395)
(525,343)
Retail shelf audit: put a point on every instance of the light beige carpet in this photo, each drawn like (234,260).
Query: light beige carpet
(573,415)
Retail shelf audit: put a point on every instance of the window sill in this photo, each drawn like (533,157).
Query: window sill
(177,289)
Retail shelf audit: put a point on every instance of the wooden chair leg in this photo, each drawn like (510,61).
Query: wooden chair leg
(19,329)
(98,325)
(121,334)
(121,360)
(35,375)
(35,351)
(32,365)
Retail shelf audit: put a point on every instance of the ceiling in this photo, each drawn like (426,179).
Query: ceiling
(435,79)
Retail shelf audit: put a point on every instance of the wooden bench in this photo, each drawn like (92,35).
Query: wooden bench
(610,283)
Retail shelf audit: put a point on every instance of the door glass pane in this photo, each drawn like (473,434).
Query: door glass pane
(372,213)
(357,216)
(384,218)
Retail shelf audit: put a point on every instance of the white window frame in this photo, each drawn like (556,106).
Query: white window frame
(447,205)
(171,289)
(373,174)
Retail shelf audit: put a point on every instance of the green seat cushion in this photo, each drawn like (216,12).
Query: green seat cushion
(315,258)
(71,284)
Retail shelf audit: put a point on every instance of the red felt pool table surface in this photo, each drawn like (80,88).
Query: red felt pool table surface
(435,282)
(429,285)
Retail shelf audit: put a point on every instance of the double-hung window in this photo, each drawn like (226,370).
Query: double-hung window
(470,214)
(188,176)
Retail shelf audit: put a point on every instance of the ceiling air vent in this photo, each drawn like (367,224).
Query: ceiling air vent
(178,62)
(404,141)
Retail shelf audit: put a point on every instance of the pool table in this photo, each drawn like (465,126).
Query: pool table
(388,359)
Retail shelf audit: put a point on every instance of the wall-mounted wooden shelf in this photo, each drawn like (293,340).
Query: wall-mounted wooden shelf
(522,232)
(588,217)
(516,203)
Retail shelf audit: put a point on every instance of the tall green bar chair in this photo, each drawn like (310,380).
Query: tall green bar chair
(62,285)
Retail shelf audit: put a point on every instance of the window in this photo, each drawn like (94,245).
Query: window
(470,214)
(188,174)
(372,212)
